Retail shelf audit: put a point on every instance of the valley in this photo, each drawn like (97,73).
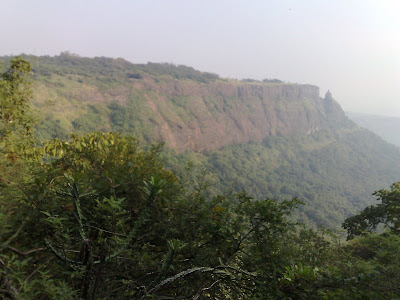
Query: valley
(385,126)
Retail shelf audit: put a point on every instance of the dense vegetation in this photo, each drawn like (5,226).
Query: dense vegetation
(72,64)
(327,170)
(333,170)
(97,217)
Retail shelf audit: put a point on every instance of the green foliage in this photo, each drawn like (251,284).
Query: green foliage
(51,128)
(387,213)
(71,64)
(21,275)
(97,217)
(367,268)
(332,171)
(108,212)
(16,121)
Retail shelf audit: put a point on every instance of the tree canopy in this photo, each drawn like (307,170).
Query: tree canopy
(386,213)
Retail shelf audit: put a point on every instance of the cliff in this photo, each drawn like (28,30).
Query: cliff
(226,113)
(185,108)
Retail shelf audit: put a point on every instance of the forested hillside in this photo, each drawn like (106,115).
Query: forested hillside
(333,172)
(272,139)
(100,217)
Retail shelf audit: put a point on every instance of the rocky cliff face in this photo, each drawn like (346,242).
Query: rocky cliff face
(186,114)
(219,114)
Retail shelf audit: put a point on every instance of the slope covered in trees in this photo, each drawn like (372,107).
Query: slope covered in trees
(98,217)
(333,172)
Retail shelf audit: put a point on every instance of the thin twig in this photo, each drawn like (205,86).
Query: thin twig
(7,283)
(25,253)
(106,231)
(205,289)
(29,277)
(5,244)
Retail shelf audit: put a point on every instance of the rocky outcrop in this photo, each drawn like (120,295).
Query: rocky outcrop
(197,117)
(190,115)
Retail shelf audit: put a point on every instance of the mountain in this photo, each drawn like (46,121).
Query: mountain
(273,139)
(385,126)
(187,109)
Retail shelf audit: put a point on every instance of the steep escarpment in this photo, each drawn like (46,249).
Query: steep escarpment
(221,114)
(186,114)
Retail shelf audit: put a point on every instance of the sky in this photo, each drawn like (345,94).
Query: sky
(351,47)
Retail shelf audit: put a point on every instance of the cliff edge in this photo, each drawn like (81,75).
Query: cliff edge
(185,108)
(197,117)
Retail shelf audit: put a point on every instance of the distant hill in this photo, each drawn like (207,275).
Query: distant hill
(386,127)
(271,138)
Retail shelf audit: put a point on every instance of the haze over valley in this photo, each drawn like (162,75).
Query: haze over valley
(384,126)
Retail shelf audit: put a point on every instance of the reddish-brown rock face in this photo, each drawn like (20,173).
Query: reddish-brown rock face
(194,116)
(189,115)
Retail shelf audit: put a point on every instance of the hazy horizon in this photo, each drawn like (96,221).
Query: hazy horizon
(350,48)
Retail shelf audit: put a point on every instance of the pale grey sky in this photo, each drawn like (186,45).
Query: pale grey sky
(351,47)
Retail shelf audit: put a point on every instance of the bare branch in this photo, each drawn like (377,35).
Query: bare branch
(106,231)
(205,289)
(27,252)
(5,244)
(10,290)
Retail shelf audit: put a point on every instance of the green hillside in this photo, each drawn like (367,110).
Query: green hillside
(333,172)
(308,148)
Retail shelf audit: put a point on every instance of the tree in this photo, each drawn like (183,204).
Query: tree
(110,221)
(115,220)
(387,213)
(16,119)
(18,158)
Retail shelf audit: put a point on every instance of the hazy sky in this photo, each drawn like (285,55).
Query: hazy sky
(351,47)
